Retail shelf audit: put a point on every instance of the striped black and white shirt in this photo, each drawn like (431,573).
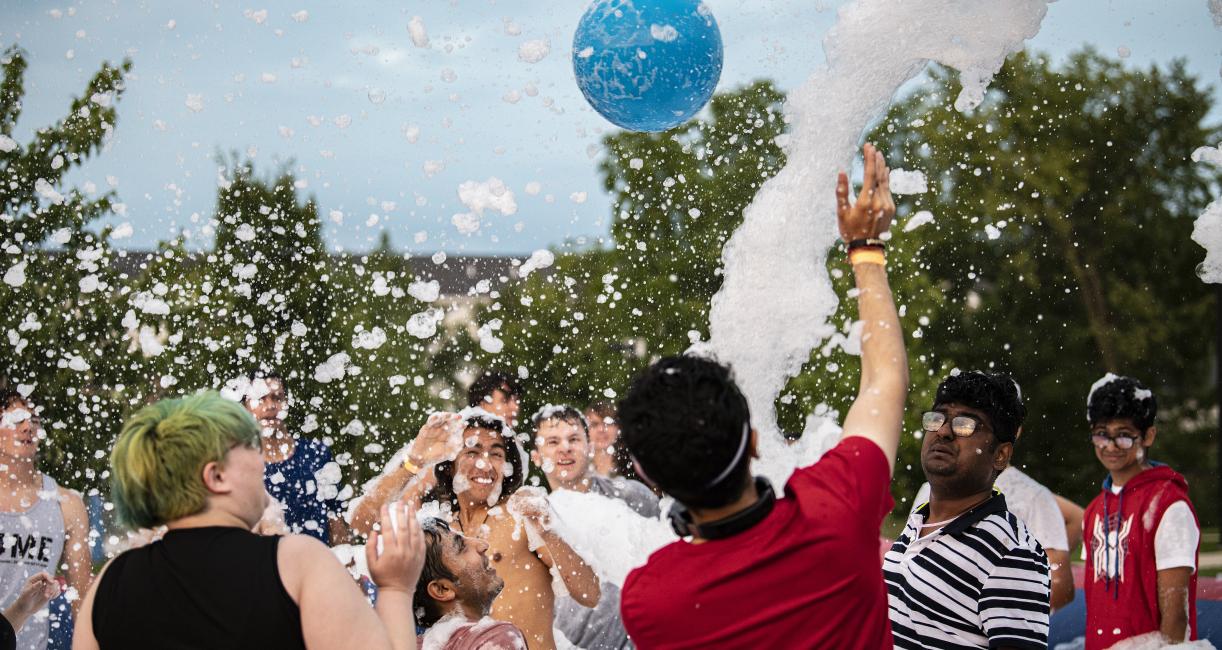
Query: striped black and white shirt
(981,581)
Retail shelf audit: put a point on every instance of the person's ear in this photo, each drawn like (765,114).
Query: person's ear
(536,458)
(214,478)
(441,590)
(1001,457)
(754,444)
(1147,439)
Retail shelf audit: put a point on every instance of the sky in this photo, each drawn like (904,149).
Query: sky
(383,129)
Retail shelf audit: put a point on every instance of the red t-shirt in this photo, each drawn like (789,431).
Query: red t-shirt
(807,576)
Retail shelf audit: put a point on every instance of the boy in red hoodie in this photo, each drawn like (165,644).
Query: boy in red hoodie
(1141,533)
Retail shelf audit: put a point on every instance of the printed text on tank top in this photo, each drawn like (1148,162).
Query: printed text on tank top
(18,546)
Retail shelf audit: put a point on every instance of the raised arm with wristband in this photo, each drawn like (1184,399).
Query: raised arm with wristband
(754,569)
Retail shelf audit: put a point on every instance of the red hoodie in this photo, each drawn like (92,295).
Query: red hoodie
(1121,576)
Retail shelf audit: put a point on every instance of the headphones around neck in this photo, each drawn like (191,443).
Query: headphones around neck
(681,519)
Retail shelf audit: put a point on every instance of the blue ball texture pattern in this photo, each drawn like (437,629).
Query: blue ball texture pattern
(647,65)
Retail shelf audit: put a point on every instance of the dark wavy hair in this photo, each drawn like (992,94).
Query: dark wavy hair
(683,421)
(1123,398)
(444,471)
(491,381)
(10,396)
(997,394)
(436,534)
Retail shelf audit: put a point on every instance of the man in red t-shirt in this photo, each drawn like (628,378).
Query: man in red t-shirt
(753,570)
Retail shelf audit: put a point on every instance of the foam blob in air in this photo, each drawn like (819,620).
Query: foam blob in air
(647,65)
(781,247)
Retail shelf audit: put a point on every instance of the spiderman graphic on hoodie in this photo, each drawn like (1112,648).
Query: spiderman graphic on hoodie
(1122,577)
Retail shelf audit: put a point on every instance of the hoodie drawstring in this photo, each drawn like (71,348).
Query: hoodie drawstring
(1107,544)
(1119,518)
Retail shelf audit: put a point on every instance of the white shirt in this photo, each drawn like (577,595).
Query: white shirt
(1176,539)
(1031,502)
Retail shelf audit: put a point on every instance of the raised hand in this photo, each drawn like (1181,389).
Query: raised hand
(870,216)
(530,504)
(440,439)
(395,551)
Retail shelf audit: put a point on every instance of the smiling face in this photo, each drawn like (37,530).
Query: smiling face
(563,450)
(20,430)
(1115,459)
(965,464)
(480,467)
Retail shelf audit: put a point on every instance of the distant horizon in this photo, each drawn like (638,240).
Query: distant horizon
(384,128)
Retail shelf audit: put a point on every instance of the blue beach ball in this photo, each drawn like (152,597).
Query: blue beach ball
(647,65)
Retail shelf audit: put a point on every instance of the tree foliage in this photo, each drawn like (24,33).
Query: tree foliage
(1063,207)
(580,331)
(60,279)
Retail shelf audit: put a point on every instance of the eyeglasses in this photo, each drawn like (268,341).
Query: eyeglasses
(960,425)
(1101,441)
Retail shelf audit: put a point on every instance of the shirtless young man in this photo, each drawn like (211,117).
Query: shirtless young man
(471,463)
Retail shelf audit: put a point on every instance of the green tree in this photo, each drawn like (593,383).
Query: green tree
(1060,209)
(582,328)
(1062,212)
(386,403)
(59,274)
(268,297)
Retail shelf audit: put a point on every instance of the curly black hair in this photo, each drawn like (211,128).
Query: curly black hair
(1122,398)
(683,420)
(491,381)
(997,394)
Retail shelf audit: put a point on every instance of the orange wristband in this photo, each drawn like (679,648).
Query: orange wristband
(867,256)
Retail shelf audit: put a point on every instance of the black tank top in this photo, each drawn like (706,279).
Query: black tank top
(210,587)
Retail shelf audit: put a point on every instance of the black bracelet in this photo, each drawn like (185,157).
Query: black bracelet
(871,242)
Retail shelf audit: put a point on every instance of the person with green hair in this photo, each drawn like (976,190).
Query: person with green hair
(194,465)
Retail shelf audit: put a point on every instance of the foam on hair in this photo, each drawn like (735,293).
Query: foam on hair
(1115,397)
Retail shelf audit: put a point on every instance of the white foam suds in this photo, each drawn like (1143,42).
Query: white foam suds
(1100,383)
(609,535)
(1207,231)
(780,250)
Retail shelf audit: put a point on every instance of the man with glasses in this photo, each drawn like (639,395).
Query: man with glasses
(966,572)
(1141,533)
(1055,521)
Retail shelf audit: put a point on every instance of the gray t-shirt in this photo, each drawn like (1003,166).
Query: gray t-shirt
(31,541)
(641,499)
(600,627)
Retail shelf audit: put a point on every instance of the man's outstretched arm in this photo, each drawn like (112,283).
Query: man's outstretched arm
(878,411)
